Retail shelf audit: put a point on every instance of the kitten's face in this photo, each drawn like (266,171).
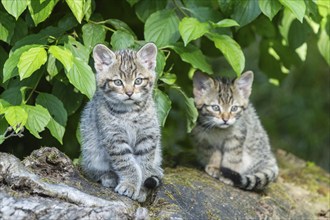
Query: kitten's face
(221,102)
(126,76)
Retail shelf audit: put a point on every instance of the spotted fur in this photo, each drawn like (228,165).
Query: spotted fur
(119,126)
(232,144)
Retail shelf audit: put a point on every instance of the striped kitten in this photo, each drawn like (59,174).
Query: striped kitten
(119,126)
(231,142)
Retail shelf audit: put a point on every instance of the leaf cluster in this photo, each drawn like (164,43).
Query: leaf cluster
(45,50)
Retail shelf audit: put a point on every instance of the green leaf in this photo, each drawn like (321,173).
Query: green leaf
(69,96)
(121,40)
(15,7)
(3,57)
(82,77)
(119,25)
(226,7)
(191,29)
(298,33)
(204,14)
(265,28)
(3,128)
(145,8)
(64,55)
(10,66)
(52,69)
(88,9)
(66,23)
(2,138)
(78,134)
(190,109)
(41,38)
(16,116)
(7,26)
(13,95)
(38,118)
(194,56)
(245,11)
(270,7)
(3,105)
(93,34)
(285,25)
(160,63)
(191,113)
(132,2)
(20,31)
(59,115)
(54,106)
(56,130)
(77,8)
(225,23)
(323,43)
(323,8)
(298,8)
(40,11)
(168,78)
(231,50)
(77,49)
(163,104)
(162,28)
(30,61)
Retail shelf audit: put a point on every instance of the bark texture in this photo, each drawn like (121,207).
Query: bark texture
(46,185)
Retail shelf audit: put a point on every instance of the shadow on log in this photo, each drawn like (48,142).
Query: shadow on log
(46,185)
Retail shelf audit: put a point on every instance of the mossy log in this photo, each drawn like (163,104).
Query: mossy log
(46,185)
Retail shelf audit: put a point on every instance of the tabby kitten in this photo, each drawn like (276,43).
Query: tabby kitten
(119,127)
(231,142)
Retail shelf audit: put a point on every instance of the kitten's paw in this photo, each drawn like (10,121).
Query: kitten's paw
(142,195)
(109,180)
(226,181)
(127,189)
(212,171)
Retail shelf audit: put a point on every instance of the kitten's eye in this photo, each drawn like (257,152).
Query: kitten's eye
(215,108)
(234,108)
(118,82)
(138,81)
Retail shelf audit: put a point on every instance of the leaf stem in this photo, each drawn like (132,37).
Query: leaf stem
(180,9)
(33,89)
(102,23)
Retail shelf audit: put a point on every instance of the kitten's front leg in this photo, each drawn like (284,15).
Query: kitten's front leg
(127,169)
(213,166)
(148,153)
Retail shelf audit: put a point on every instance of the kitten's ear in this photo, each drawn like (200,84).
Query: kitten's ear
(103,57)
(147,55)
(202,83)
(244,84)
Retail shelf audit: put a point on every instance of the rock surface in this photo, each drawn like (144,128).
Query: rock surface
(46,185)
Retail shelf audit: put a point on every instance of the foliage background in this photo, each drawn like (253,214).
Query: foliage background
(45,81)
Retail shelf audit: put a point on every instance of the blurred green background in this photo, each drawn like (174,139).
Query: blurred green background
(291,91)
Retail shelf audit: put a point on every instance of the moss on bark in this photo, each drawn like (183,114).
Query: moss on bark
(301,191)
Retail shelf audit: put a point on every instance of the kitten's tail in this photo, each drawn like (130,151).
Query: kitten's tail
(256,181)
(152,182)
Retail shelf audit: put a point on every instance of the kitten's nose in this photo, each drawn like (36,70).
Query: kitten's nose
(129,93)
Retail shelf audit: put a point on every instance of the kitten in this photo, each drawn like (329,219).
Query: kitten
(231,142)
(119,127)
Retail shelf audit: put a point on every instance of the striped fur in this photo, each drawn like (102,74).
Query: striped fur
(119,126)
(232,144)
